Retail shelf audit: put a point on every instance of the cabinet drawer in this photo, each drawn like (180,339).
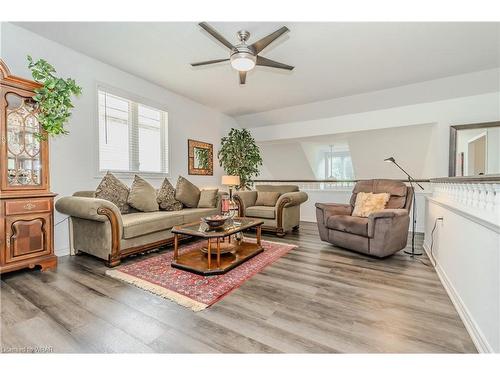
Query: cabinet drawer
(24,206)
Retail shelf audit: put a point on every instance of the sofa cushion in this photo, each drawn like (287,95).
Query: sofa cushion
(267,198)
(367,203)
(195,214)
(142,195)
(261,212)
(112,189)
(208,198)
(140,223)
(282,189)
(187,193)
(349,224)
(165,196)
(397,189)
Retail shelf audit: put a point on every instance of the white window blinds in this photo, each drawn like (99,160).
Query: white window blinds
(133,137)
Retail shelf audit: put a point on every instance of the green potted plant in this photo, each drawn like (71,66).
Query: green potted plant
(53,98)
(239,155)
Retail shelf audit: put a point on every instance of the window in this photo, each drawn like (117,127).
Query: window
(133,137)
(338,165)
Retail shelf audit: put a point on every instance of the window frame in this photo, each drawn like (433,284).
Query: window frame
(343,155)
(165,131)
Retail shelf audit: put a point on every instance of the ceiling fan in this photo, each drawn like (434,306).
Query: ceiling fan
(244,57)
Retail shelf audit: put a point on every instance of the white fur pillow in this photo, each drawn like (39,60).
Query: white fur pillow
(366,203)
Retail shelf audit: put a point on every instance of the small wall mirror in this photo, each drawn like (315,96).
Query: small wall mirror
(475,149)
(200,158)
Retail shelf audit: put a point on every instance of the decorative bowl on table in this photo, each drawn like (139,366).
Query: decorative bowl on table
(215,221)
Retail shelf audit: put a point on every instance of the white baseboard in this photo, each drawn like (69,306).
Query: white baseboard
(473,329)
(62,252)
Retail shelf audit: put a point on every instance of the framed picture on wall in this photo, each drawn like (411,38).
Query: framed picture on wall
(200,158)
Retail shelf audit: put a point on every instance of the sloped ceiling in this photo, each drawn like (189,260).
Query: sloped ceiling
(409,145)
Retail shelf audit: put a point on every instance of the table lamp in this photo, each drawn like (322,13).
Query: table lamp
(231,182)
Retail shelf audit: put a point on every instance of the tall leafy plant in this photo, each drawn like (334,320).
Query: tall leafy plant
(240,156)
(53,98)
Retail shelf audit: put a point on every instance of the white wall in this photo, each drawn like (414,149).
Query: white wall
(73,158)
(493,156)
(466,250)
(408,144)
(461,99)
(458,86)
(463,138)
(479,108)
(284,161)
(492,144)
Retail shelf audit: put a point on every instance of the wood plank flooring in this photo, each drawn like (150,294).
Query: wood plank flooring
(316,299)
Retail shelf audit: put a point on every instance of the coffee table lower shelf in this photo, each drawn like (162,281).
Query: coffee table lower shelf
(197,261)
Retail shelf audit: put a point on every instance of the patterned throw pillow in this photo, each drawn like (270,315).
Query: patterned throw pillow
(165,197)
(112,189)
(187,193)
(366,203)
(142,195)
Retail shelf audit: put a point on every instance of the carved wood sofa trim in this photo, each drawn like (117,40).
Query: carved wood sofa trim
(241,208)
(114,257)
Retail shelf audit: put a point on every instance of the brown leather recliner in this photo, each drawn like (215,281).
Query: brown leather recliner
(382,233)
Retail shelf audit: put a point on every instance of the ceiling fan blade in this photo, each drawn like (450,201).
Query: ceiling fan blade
(262,61)
(209,29)
(243,77)
(208,62)
(264,42)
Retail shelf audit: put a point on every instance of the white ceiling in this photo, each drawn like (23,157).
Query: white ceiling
(331,59)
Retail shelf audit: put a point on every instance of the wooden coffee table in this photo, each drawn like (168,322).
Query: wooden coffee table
(221,244)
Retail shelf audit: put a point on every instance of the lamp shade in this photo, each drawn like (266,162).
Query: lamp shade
(230,180)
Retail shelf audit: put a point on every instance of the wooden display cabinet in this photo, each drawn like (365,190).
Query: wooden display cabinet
(26,203)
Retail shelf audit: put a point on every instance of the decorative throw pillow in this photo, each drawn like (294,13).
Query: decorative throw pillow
(112,189)
(208,198)
(142,195)
(366,203)
(165,196)
(267,198)
(187,193)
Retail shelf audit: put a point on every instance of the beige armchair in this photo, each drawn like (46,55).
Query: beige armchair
(380,234)
(280,218)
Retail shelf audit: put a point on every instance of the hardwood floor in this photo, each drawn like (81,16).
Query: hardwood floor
(317,298)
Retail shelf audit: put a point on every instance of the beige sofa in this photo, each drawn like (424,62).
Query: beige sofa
(282,217)
(98,228)
(382,233)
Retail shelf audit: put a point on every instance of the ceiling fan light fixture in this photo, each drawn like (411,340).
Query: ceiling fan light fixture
(243,61)
(244,57)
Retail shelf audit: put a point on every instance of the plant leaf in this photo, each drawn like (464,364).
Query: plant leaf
(53,98)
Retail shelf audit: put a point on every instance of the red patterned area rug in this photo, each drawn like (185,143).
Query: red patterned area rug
(188,289)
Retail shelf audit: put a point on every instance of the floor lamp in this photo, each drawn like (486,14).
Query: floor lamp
(414,211)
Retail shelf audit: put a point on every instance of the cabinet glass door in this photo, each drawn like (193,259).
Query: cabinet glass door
(24,166)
